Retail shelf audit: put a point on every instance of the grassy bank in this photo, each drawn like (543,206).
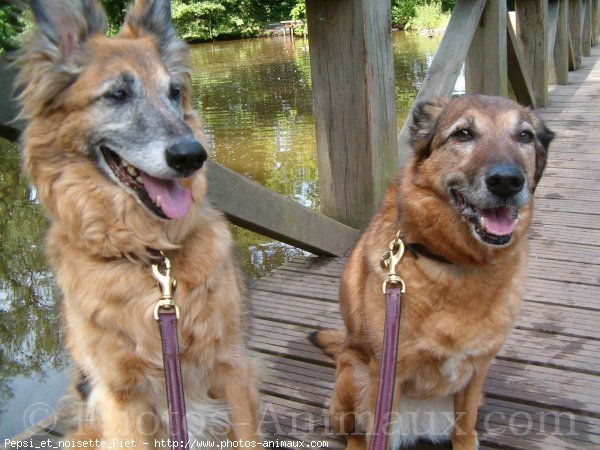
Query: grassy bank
(421,15)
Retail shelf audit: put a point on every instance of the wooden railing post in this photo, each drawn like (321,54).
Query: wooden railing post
(586,34)
(354,104)
(596,22)
(553,7)
(532,30)
(561,44)
(575,27)
(517,69)
(486,66)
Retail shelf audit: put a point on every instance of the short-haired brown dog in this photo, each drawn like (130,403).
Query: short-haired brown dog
(464,205)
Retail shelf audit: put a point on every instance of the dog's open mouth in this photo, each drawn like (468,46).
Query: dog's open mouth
(165,198)
(493,225)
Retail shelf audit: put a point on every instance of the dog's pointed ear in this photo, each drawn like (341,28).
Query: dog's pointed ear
(150,17)
(544,137)
(64,26)
(51,60)
(153,18)
(425,117)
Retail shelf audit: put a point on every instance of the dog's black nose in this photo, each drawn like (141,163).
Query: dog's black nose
(186,156)
(505,180)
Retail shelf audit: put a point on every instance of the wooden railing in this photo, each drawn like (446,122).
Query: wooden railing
(359,148)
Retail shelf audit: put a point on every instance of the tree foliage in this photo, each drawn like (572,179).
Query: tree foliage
(12,25)
(211,19)
(428,16)
(195,20)
(299,13)
(412,14)
(115,13)
(203,20)
(219,19)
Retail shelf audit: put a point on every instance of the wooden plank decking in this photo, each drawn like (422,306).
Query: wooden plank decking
(543,390)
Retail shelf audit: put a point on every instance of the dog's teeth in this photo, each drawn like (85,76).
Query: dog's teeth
(132,171)
(158,199)
(138,179)
(124,163)
(482,222)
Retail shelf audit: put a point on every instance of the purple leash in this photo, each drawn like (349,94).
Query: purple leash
(393,288)
(167,313)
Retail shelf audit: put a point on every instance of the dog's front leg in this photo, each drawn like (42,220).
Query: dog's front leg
(344,408)
(466,405)
(128,420)
(236,384)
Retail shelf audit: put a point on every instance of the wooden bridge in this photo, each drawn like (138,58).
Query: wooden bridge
(543,389)
(289,26)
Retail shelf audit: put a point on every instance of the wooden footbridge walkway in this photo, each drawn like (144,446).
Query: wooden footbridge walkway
(543,389)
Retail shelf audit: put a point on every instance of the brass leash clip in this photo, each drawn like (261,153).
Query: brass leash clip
(390,260)
(167,285)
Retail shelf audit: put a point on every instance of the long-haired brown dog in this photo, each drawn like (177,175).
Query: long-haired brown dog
(115,149)
(463,204)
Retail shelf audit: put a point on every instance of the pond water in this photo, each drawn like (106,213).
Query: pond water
(254,97)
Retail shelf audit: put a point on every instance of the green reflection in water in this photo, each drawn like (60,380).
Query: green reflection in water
(29,336)
(413,55)
(255,102)
(254,97)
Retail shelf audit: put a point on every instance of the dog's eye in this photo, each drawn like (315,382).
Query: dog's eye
(175,93)
(119,95)
(525,136)
(463,135)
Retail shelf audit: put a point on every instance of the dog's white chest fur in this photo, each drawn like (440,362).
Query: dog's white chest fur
(207,421)
(455,366)
(432,419)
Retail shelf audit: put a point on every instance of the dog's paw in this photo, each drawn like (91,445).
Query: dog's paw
(465,442)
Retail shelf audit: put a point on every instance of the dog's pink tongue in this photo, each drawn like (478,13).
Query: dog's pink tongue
(499,221)
(174,198)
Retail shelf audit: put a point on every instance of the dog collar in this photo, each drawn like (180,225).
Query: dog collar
(417,250)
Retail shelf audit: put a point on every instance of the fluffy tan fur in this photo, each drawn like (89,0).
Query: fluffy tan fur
(455,317)
(98,246)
